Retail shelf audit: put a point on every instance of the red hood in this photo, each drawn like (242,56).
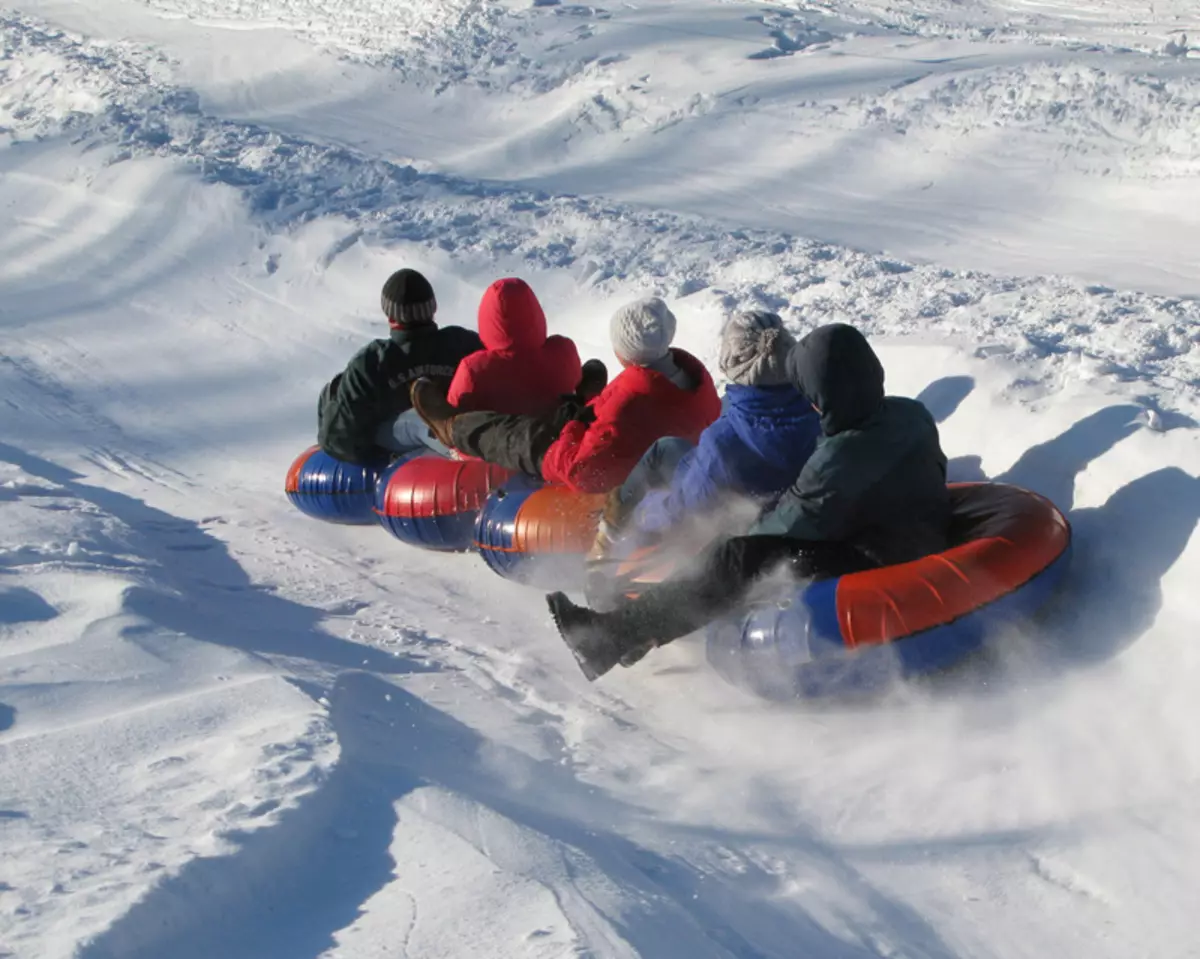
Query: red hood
(510,317)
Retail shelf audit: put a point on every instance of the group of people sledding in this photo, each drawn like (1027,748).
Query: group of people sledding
(842,477)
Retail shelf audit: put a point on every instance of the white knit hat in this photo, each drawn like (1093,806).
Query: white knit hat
(755,348)
(642,331)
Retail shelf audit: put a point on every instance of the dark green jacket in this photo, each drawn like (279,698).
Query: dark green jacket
(373,389)
(878,477)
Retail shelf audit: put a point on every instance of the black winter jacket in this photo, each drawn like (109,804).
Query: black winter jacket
(373,389)
(877,480)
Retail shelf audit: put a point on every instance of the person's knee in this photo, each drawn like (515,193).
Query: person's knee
(670,447)
(657,450)
(746,558)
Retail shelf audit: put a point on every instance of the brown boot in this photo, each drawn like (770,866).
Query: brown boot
(602,545)
(429,400)
(616,511)
(612,520)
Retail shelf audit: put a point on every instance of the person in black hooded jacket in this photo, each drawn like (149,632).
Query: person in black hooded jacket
(365,412)
(873,493)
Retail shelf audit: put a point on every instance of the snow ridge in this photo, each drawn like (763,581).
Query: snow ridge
(116,97)
(1155,121)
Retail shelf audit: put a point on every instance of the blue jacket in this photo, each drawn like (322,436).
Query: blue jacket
(757,447)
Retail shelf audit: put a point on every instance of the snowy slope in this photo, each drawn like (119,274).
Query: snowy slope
(992,146)
(227,731)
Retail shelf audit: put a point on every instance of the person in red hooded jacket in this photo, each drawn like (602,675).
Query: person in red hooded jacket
(590,445)
(520,369)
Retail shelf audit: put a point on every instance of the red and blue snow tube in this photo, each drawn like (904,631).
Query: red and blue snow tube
(858,631)
(326,488)
(537,534)
(426,500)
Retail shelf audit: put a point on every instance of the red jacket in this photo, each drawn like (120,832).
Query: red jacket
(635,409)
(520,369)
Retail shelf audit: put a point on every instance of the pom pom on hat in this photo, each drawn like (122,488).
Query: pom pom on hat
(755,348)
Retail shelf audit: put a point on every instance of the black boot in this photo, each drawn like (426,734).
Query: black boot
(430,402)
(594,638)
(593,380)
(602,640)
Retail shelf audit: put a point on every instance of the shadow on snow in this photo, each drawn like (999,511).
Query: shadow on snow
(1112,590)
(287,889)
(210,597)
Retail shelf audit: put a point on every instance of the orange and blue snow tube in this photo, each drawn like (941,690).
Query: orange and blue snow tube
(855,632)
(537,533)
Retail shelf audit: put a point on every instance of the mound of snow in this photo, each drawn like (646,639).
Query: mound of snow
(1115,124)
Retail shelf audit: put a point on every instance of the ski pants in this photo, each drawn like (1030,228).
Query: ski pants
(724,578)
(512,440)
(654,470)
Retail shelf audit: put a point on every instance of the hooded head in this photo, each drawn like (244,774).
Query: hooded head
(510,317)
(408,300)
(755,348)
(837,370)
(642,331)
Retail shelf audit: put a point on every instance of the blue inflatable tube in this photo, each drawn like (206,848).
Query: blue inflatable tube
(328,489)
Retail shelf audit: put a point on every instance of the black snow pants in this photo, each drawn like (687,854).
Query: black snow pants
(722,582)
(511,440)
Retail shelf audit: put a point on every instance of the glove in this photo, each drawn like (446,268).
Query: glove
(574,410)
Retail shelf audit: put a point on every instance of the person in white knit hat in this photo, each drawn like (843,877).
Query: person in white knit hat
(592,441)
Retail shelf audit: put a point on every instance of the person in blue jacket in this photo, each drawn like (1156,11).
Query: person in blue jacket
(766,432)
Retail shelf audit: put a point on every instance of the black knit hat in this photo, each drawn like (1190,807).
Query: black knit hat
(408,299)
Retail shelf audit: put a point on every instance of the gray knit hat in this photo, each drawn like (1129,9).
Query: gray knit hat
(642,331)
(407,299)
(755,348)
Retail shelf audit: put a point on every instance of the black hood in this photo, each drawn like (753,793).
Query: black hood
(836,368)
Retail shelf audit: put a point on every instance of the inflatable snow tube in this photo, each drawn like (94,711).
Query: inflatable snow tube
(426,500)
(857,632)
(538,534)
(326,488)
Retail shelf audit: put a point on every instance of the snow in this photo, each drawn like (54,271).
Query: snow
(229,731)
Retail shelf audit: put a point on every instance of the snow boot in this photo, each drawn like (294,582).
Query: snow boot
(593,381)
(594,639)
(429,400)
(612,521)
(602,589)
(601,641)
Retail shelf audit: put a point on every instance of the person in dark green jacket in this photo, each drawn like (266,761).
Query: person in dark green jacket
(364,414)
(873,493)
